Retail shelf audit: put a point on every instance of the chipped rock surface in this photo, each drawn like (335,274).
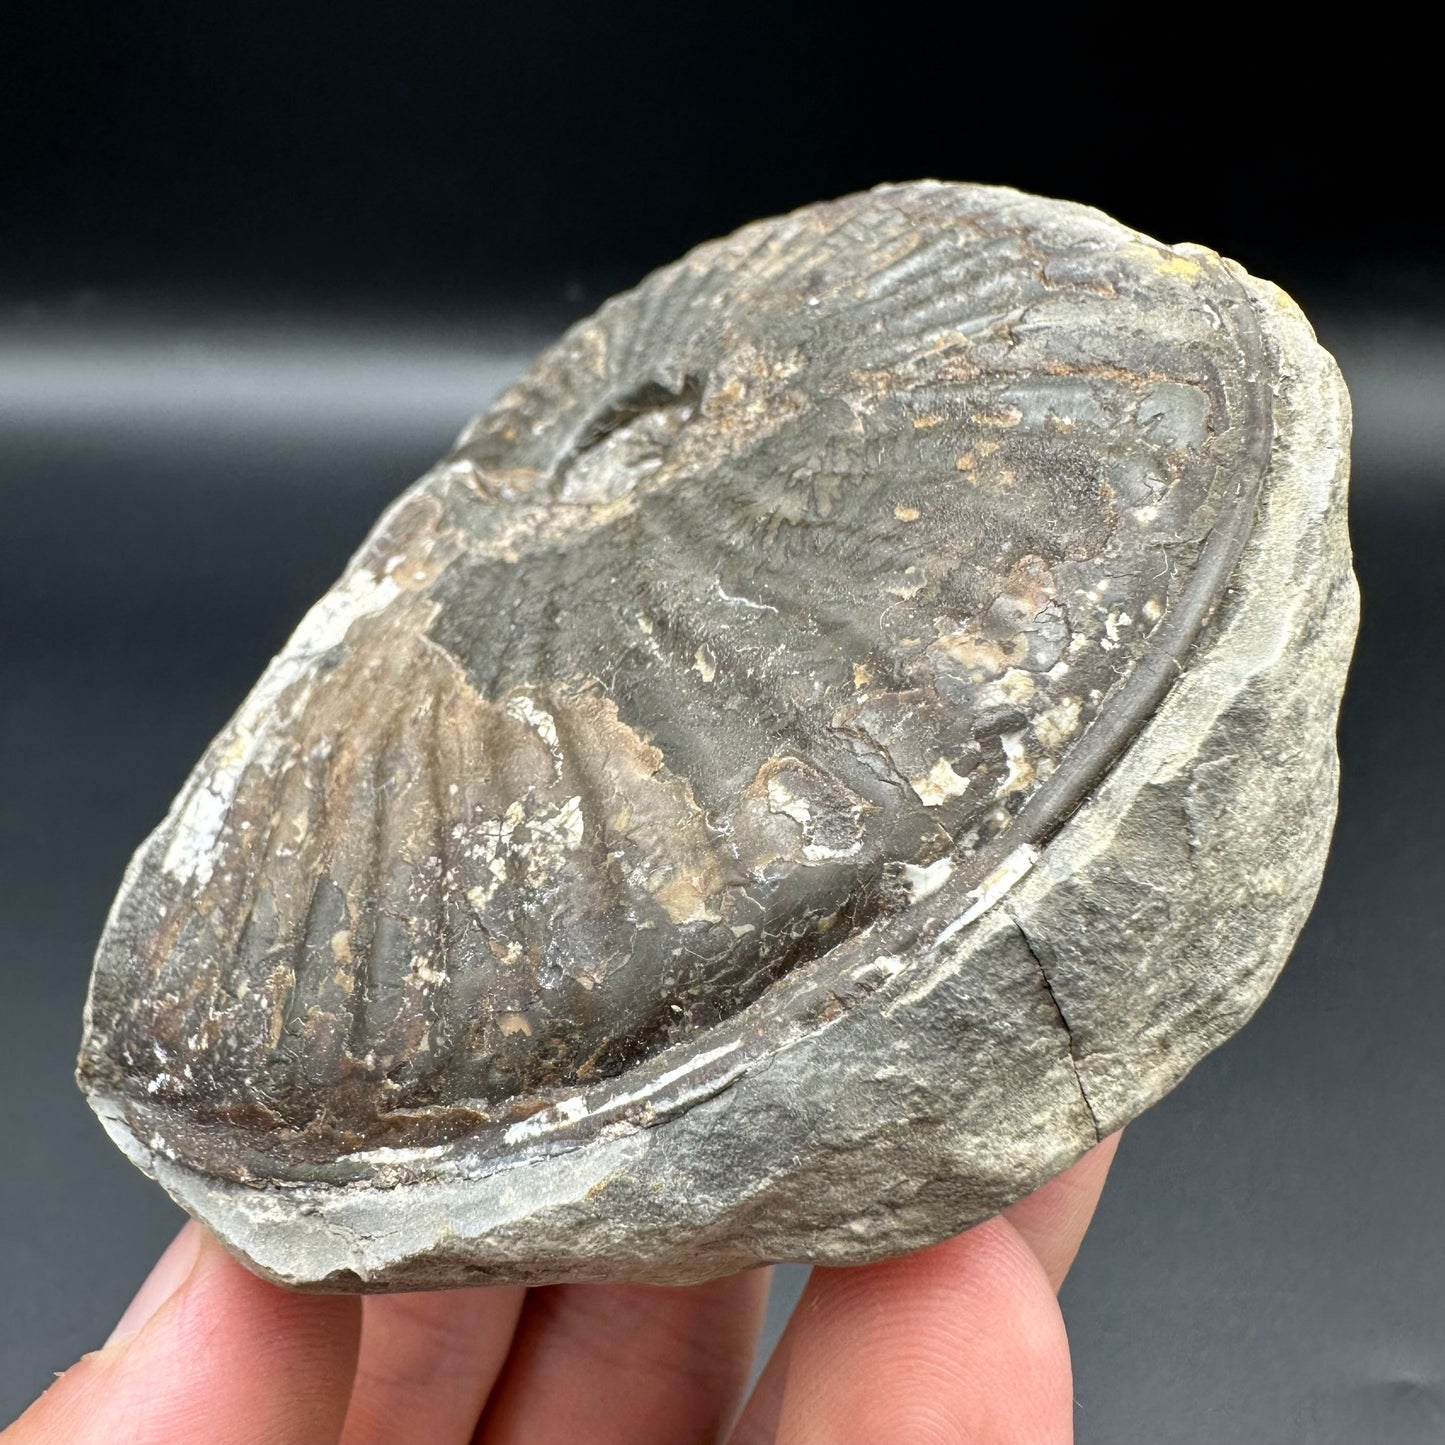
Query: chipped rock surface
(850,727)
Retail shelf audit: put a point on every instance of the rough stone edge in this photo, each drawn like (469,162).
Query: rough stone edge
(857,1123)
(1248,810)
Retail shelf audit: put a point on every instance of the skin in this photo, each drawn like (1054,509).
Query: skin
(961,1342)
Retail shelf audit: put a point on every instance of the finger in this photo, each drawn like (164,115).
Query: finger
(963,1341)
(223,1358)
(628,1364)
(170,1271)
(759,1422)
(431,1360)
(1053,1219)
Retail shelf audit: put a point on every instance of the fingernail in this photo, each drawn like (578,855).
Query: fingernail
(168,1275)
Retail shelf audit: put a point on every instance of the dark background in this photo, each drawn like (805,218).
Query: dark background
(258,264)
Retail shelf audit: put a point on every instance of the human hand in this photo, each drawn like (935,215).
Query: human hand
(963,1341)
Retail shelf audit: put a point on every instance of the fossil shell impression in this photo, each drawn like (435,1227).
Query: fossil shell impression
(851,726)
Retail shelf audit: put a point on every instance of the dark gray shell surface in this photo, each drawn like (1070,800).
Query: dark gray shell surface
(738,662)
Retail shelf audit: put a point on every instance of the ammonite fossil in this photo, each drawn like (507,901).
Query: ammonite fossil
(851,726)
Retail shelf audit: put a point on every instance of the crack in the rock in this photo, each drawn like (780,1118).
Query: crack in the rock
(1063,1020)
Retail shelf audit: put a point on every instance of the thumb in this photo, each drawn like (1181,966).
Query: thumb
(207,1352)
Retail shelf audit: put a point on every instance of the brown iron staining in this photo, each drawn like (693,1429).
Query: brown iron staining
(764,603)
